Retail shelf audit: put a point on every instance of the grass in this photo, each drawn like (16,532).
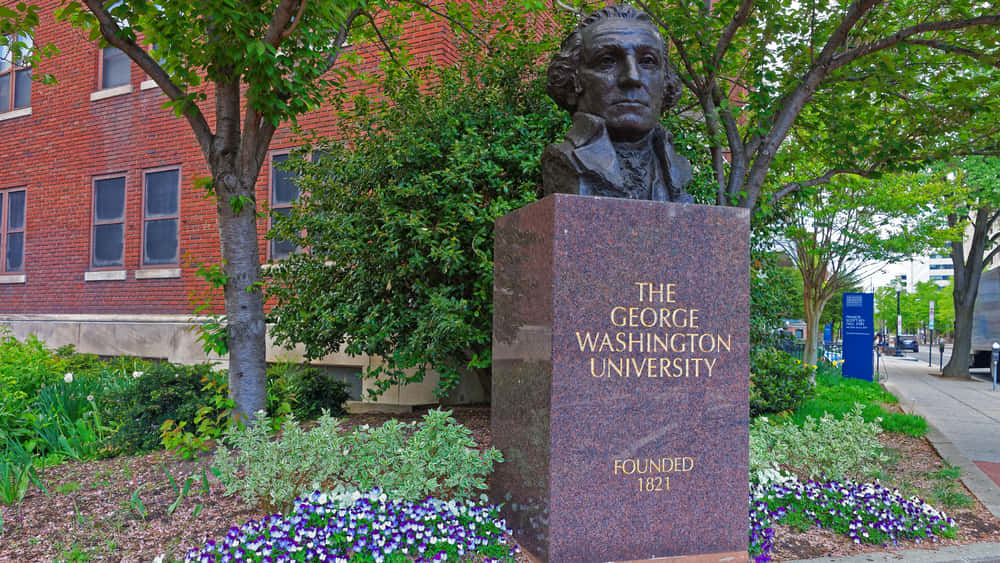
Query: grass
(837,395)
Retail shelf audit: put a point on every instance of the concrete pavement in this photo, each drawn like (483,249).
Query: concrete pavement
(964,420)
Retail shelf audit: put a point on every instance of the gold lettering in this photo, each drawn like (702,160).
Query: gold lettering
(683,323)
(612,366)
(586,341)
(616,310)
(603,367)
(651,293)
(645,319)
(673,343)
(620,339)
(710,362)
(727,343)
(634,338)
(711,343)
(665,318)
(606,343)
(670,293)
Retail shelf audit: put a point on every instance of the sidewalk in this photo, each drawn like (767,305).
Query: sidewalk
(964,426)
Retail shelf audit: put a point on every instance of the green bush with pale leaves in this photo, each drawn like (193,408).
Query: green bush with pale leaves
(836,447)
(411,461)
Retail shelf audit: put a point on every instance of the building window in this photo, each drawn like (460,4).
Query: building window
(161,205)
(12,230)
(109,223)
(116,68)
(284,193)
(941,266)
(15,74)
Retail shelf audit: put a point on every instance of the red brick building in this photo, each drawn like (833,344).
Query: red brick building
(103,223)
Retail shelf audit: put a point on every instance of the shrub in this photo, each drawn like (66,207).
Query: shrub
(836,447)
(163,392)
(315,392)
(408,461)
(778,382)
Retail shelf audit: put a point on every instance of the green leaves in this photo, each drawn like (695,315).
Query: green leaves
(436,457)
(399,226)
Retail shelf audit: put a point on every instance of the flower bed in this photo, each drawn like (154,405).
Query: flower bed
(367,527)
(865,512)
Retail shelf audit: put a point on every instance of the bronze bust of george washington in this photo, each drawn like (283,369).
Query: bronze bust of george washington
(611,74)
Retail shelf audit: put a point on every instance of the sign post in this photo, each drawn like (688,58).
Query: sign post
(930,343)
(859,334)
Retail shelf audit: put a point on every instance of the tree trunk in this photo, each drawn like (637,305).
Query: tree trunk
(968,272)
(245,319)
(812,312)
(958,364)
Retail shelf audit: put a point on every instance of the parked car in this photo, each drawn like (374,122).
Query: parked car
(909,342)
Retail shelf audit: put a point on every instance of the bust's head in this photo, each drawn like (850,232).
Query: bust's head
(614,66)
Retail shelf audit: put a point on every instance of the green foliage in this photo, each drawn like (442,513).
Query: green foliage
(778,382)
(315,392)
(834,447)
(17,472)
(24,368)
(164,392)
(399,219)
(772,292)
(209,422)
(409,461)
(838,395)
(915,307)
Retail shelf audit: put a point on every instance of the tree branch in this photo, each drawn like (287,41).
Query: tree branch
(192,113)
(904,34)
(340,39)
(825,178)
(956,49)
(454,21)
(278,30)
(739,19)
(385,44)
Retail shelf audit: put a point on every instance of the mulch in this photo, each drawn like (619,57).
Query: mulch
(91,512)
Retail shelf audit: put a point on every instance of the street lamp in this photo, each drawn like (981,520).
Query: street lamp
(899,317)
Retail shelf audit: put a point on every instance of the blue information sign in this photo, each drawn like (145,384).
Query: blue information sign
(859,335)
(828,333)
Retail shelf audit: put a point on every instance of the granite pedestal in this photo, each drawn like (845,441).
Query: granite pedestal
(620,379)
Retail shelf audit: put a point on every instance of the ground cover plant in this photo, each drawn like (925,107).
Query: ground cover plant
(837,395)
(821,463)
(863,512)
(366,527)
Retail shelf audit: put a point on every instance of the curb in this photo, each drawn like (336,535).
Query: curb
(972,553)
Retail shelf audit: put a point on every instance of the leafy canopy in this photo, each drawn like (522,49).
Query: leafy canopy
(398,221)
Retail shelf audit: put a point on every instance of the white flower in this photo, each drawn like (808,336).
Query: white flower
(158,559)
(90,398)
(136,374)
(68,378)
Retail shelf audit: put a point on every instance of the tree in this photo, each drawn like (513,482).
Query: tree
(236,71)
(914,307)
(981,176)
(398,219)
(831,237)
(760,69)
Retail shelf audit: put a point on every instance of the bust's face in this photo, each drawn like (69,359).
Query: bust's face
(621,76)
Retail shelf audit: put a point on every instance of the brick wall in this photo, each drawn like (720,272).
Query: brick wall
(68,139)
